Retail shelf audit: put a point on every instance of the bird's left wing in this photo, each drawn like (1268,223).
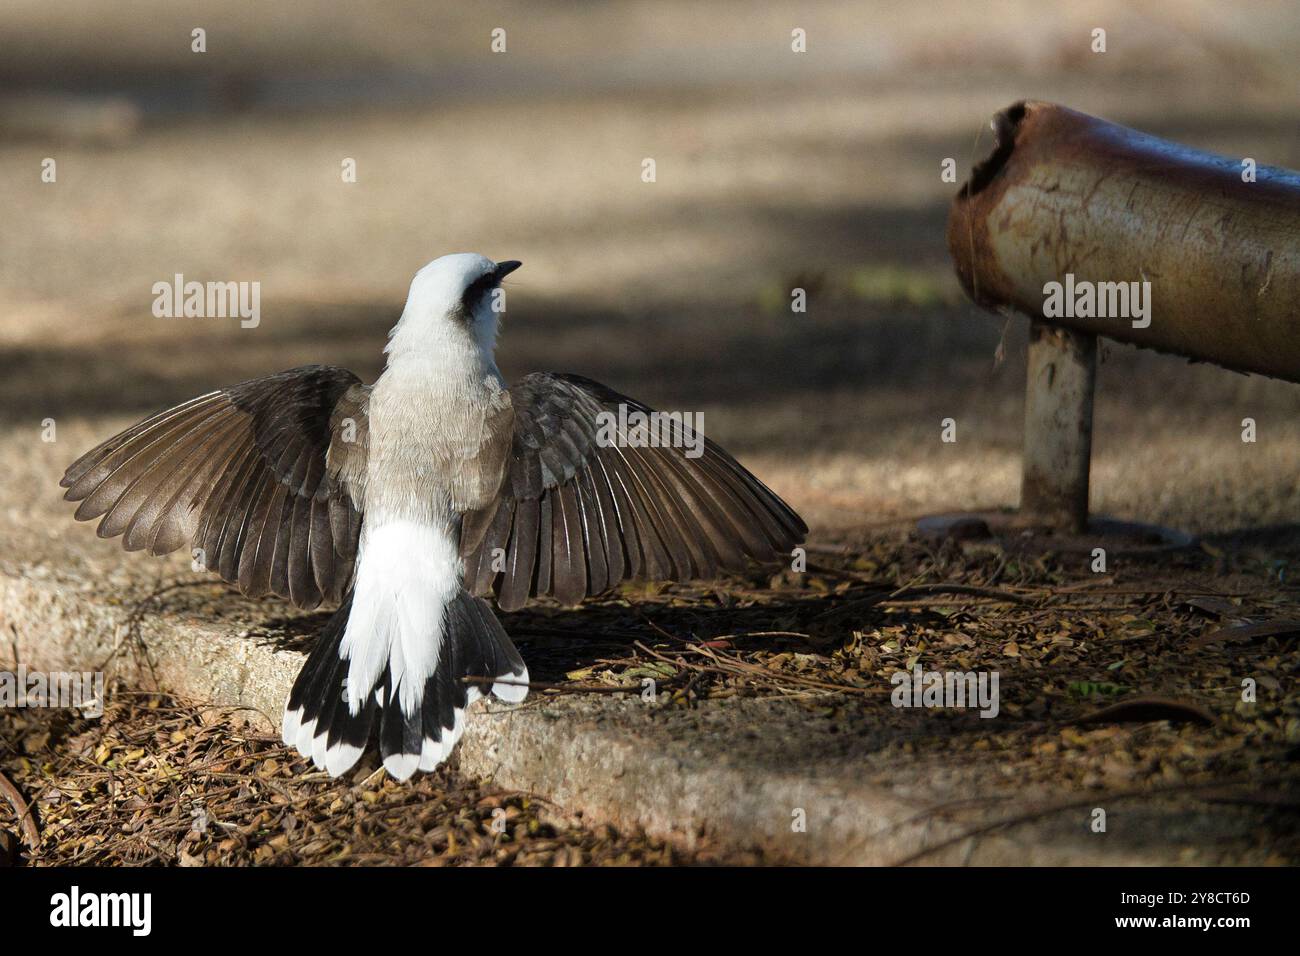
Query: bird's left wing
(576,515)
(265,479)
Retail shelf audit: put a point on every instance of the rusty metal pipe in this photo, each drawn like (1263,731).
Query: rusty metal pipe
(1069,198)
(1062,375)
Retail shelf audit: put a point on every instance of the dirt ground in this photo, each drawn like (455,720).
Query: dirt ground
(677,291)
(160,782)
(773,172)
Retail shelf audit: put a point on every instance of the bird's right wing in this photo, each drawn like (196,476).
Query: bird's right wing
(575,515)
(266,480)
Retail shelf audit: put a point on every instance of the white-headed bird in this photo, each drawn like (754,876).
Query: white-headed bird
(408,500)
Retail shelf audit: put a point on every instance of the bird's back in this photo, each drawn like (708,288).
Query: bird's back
(439,437)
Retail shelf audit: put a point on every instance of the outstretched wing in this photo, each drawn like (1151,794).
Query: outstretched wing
(576,515)
(265,479)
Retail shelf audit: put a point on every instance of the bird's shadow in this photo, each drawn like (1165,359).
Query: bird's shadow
(556,640)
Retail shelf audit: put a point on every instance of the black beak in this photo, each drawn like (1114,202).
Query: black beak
(504,269)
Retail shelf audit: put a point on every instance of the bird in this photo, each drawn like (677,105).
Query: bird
(410,501)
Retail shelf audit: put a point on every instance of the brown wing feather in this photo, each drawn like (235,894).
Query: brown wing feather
(585,516)
(266,478)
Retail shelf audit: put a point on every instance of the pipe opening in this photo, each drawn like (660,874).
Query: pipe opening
(1005,125)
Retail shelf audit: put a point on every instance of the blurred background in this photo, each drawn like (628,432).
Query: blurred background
(774,170)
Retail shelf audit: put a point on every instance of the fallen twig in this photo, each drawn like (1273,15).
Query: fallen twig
(26,821)
(562,688)
(731,667)
(921,590)
(1145,709)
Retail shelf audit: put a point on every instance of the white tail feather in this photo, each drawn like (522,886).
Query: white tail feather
(407,574)
(406,608)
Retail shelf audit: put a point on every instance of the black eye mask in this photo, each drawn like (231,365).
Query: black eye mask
(475,292)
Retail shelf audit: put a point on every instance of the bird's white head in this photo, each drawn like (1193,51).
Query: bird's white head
(454,301)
